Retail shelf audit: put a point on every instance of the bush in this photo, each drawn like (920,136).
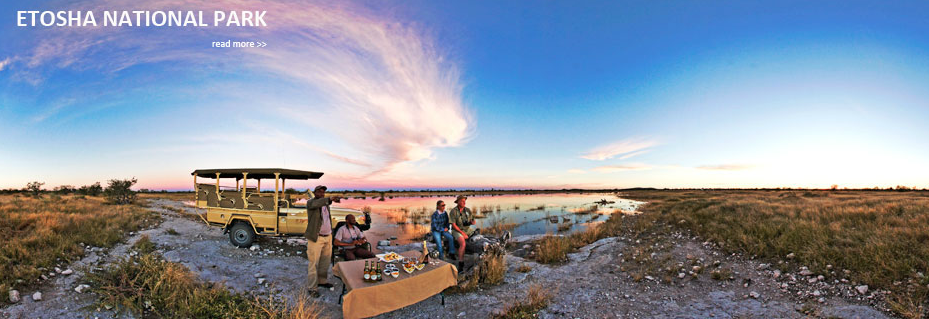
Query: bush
(91,190)
(65,189)
(119,191)
(35,188)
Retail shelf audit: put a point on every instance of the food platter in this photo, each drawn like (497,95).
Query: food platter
(389,257)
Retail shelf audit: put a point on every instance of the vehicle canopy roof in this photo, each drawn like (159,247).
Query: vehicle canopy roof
(257,173)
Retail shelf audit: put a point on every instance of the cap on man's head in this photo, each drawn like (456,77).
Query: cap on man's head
(319,187)
(460,197)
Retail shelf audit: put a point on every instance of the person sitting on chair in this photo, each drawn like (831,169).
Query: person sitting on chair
(461,219)
(440,229)
(350,239)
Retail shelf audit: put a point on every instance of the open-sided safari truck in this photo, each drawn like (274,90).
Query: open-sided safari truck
(245,211)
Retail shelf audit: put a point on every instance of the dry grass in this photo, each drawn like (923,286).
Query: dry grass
(524,268)
(552,249)
(537,298)
(38,232)
(879,236)
(493,270)
(490,271)
(498,226)
(149,286)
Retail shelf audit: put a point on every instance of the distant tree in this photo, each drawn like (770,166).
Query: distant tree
(834,187)
(119,191)
(65,189)
(290,191)
(34,187)
(91,190)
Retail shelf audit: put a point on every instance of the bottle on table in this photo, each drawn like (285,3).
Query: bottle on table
(425,253)
(367,272)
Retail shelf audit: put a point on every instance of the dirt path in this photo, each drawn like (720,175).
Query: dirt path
(599,281)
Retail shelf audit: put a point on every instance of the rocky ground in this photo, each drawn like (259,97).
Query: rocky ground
(665,275)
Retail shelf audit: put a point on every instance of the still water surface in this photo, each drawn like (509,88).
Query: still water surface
(407,218)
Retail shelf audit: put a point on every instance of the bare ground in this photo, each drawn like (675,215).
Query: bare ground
(613,277)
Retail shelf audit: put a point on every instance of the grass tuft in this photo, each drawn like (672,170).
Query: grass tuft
(537,298)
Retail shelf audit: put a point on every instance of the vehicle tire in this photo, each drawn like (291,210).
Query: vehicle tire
(241,234)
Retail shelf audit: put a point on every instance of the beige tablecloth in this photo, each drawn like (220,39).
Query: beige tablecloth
(368,299)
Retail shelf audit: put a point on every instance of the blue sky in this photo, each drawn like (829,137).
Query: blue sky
(479,94)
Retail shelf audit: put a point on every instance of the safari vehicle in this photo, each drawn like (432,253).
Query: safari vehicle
(245,211)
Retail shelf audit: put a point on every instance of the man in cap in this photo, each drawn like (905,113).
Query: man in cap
(461,219)
(319,239)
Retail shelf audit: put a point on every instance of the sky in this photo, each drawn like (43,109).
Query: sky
(476,94)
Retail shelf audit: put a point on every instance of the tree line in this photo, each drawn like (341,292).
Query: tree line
(117,191)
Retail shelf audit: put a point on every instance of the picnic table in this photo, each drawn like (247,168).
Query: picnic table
(368,299)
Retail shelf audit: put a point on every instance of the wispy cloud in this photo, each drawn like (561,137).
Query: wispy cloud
(383,86)
(627,148)
(577,171)
(725,167)
(623,168)
(4,63)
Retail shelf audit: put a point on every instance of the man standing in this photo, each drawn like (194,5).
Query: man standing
(461,220)
(318,240)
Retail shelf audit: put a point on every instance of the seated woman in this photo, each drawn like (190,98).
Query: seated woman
(440,227)
(350,238)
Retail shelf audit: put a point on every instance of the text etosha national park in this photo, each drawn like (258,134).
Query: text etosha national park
(118,18)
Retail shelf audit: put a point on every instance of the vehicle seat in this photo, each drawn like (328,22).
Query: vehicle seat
(229,202)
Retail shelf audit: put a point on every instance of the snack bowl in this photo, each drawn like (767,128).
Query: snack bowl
(395,273)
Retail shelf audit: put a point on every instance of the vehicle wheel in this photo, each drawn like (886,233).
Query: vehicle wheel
(241,234)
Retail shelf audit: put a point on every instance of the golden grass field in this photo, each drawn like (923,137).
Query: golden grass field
(43,232)
(879,237)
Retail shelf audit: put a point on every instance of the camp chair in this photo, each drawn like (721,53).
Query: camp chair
(336,251)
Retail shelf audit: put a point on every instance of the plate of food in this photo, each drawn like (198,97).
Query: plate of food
(420,266)
(389,257)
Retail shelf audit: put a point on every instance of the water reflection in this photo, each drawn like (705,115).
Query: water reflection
(407,218)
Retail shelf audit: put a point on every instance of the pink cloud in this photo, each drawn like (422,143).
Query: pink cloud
(628,148)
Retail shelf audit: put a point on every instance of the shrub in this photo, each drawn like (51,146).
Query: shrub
(91,190)
(35,188)
(120,192)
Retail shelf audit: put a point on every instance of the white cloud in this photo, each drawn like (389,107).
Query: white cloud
(4,63)
(383,86)
(577,171)
(725,167)
(628,148)
(623,168)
